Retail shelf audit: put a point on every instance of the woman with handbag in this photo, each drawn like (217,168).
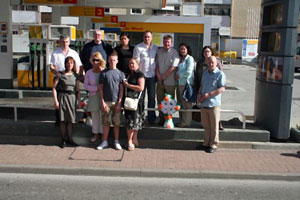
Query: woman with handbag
(185,75)
(134,85)
(201,66)
(91,82)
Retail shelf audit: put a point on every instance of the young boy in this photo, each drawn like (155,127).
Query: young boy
(111,93)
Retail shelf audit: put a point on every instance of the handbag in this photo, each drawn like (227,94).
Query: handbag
(131,103)
(189,93)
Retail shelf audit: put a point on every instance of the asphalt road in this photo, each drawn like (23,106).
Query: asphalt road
(39,187)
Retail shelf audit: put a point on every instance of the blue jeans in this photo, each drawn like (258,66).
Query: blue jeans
(150,88)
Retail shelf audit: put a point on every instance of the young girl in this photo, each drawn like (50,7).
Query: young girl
(65,101)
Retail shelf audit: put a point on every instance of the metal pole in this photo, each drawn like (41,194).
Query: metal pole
(219,47)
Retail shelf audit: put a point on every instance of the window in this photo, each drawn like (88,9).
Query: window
(167,12)
(25,7)
(214,32)
(217,9)
(107,10)
(192,0)
(136,11)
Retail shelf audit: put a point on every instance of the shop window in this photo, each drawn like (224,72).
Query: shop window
(136,11)
(217,9)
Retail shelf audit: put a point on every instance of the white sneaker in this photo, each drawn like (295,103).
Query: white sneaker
(117,145)
(103,145)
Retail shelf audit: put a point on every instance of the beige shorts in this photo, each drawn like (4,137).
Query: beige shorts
(111,117)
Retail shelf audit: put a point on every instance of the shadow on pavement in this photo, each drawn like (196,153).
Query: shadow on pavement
(297,155)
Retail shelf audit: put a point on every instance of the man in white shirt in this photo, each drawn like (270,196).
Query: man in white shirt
(145,53)
(57,61)
(167,60)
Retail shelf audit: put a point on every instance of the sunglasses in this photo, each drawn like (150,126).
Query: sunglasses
(96,60)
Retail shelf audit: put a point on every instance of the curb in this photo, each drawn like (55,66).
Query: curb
(157,173)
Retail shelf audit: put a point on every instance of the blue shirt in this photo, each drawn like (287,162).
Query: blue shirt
(99,48)
(212,81)
(111,80)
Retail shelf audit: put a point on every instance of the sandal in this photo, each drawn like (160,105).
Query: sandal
(131,147)
(136,143)
(95,138)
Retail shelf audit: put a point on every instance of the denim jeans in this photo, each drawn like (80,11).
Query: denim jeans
(150,89)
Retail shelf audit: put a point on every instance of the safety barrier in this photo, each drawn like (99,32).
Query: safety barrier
(48,107)
(222,111)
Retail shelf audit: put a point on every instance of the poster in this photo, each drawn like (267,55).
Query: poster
(157,38)
(249,52)
(270,68)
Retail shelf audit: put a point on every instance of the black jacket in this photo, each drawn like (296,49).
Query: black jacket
(86,53)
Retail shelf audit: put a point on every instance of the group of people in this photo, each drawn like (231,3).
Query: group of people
(110,75)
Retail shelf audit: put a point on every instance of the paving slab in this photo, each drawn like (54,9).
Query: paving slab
(225,163)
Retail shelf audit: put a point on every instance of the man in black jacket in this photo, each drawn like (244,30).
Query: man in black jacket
(97,45)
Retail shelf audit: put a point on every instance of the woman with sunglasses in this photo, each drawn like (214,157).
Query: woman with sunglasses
(91,84)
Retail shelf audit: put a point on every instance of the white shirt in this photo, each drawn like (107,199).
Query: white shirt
(146,58)
(58,59)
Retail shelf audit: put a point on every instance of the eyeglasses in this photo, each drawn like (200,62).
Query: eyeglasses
(96,60)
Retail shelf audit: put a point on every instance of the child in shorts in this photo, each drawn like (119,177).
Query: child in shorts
(111,94)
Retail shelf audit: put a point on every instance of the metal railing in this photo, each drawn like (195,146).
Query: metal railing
(48,107)
(199,110)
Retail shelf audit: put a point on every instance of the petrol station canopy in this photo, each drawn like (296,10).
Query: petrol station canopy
(153,4)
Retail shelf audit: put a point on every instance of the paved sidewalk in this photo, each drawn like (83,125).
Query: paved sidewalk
(225,163)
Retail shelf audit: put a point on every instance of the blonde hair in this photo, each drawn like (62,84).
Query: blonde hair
(99,56)
(135,60)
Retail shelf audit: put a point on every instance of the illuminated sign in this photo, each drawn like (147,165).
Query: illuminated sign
(160,27)
(51,1)
(86,11)
(111,19)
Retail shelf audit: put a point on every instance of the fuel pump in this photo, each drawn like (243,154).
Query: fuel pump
(42,40)
(39,73)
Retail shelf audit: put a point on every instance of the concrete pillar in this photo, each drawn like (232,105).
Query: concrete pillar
(6,66)
(275,73)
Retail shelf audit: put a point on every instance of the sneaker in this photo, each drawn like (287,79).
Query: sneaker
(117,145)
(103,145)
